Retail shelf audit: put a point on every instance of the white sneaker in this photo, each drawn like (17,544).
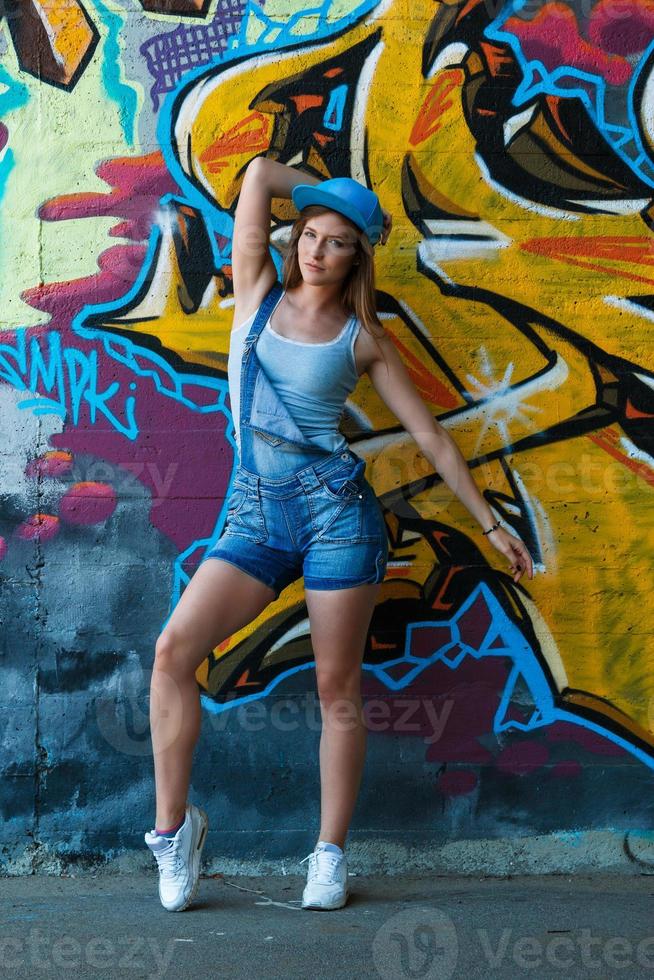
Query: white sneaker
(178,859)
(326,886)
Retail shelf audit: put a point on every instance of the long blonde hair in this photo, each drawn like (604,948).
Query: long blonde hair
(358,291)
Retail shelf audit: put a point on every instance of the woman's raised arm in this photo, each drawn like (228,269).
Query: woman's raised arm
(253,270)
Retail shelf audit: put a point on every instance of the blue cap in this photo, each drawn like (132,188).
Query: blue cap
(348,197)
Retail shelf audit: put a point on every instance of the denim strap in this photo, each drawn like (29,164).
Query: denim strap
(263,313)
(259,322)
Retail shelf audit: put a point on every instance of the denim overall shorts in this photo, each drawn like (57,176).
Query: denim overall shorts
(295,509)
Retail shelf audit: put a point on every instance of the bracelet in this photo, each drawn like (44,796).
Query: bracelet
(493,528)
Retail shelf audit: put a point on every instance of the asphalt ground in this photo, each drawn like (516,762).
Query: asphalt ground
(393,927)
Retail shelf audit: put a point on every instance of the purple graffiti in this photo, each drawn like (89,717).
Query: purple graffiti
(169,56)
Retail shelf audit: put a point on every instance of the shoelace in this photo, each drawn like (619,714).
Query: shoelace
(322,866)
(169,860)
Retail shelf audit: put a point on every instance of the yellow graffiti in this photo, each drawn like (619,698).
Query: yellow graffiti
(589,491)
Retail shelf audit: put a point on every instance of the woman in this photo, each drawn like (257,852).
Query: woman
(300,504)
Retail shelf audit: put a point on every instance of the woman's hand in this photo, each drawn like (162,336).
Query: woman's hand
(515,551)
(388,224)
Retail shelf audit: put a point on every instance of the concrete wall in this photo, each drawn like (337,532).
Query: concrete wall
(511,727)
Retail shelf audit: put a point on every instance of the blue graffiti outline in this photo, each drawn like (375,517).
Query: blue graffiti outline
(337,101)
(525,663)
(218,222)
(124,350)
(117,90)
(283,29)
(530,87)
(17,95)
(51,373)
(515,648)
(216,219)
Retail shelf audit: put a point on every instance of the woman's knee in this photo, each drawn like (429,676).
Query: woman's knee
(172,655)
(334,686)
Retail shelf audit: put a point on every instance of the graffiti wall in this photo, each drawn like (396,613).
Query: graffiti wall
(514,145)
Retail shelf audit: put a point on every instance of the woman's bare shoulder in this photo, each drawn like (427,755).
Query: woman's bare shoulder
(370,334)
(367,345)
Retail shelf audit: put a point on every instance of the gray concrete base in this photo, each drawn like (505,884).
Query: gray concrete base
(607,851)
(392,927)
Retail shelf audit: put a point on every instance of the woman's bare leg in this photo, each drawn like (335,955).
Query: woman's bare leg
(219,600)
(339,622)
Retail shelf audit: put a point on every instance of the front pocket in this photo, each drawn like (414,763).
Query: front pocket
(344,508)
(267,437)
(336,508)
(236,500)
(245,515)
(340,488)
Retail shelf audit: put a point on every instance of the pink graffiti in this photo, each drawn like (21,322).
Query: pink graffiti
(553,38)
(53,463)
(622,27)
(119,266)
(564,731)
(468,699)
(457,782)
(165,435)
(87,503)
(522,757)
(38,527)
(137,184)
